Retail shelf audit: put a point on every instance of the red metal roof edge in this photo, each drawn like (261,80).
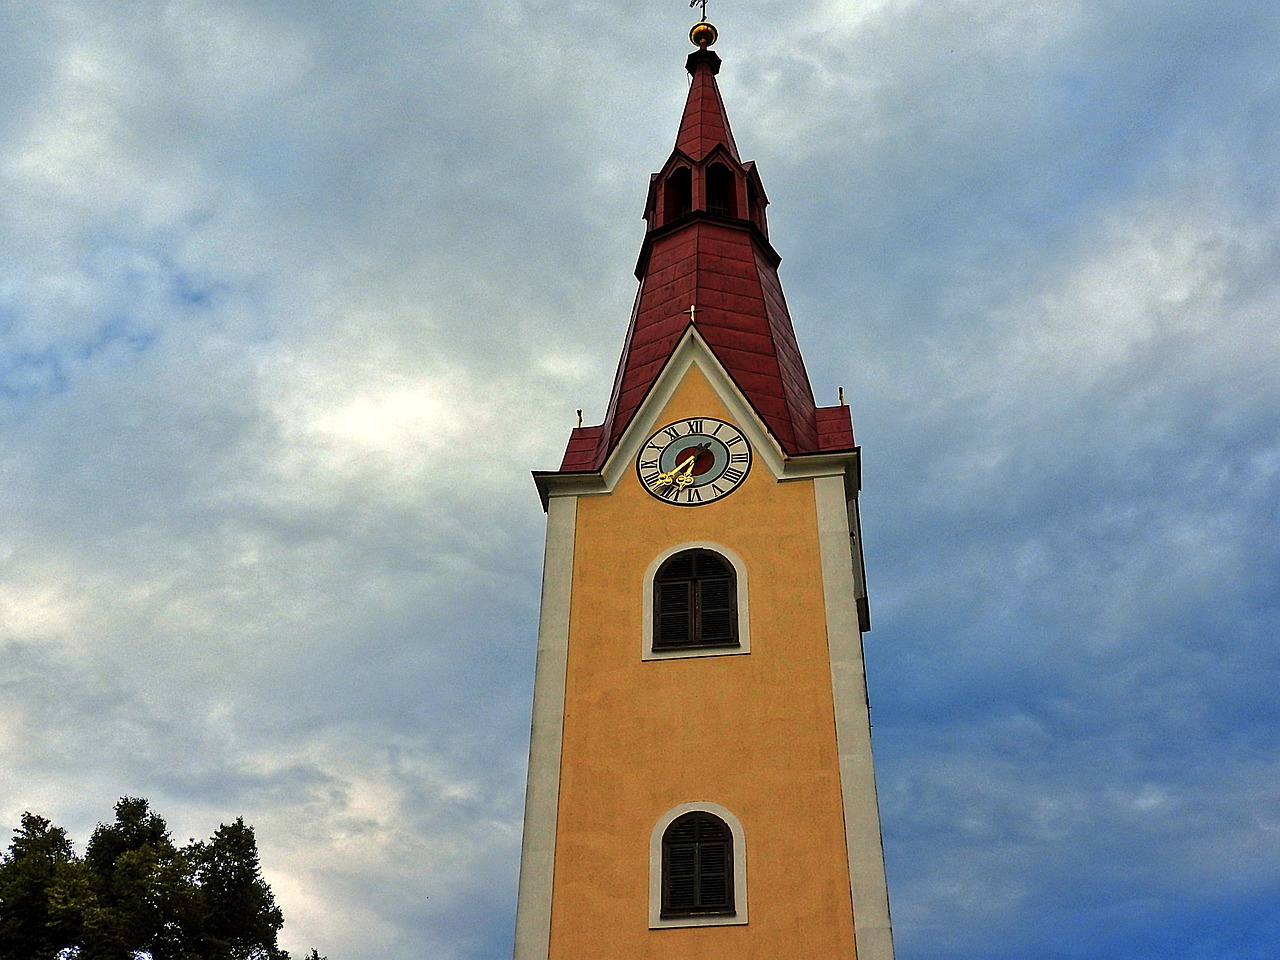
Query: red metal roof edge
(835,428)
(580,452)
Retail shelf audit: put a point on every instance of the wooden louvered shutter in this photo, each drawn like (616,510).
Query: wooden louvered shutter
(697,866)
(674,614)
(717,611)
(681,876)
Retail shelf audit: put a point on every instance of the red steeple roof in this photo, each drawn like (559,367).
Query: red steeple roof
(704,124)
(707,247)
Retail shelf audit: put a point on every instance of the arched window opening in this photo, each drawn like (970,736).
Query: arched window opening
(678,194)
(697,866)
(695,601)
(722,194)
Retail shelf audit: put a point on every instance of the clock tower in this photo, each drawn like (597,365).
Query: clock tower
(700,777)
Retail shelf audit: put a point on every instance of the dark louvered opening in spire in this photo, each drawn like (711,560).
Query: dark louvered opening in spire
(695,601)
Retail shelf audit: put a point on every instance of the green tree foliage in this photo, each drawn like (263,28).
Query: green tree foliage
(135,894)
(43,892)
(141,887)
(235,909)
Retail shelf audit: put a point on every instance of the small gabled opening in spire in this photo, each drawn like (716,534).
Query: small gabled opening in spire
(756,199)
(754,210)
(677,194)
(722,191)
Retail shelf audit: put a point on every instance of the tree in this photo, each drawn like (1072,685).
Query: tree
(237,914)
(44,892)
(140,880)
(135,892)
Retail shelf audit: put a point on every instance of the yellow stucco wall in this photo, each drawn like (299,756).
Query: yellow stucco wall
(754,733)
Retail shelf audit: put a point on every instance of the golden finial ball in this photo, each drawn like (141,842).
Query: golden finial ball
(703,35)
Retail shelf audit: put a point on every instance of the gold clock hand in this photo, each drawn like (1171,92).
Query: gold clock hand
(684,473)
(672,475)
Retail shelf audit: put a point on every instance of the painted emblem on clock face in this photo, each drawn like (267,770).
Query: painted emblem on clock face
(694,461)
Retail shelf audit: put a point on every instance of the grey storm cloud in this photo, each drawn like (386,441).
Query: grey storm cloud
(294,295)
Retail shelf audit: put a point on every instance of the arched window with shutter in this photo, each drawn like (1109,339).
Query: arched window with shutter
(695,603)
(697,868)
(695,597)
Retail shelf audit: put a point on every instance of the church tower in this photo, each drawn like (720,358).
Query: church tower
(700,777)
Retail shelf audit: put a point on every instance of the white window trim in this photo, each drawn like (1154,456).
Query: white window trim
(739,916)
(646,601)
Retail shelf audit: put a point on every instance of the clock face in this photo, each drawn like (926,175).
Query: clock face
(694,461)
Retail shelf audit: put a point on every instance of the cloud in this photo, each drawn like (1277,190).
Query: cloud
(295,295)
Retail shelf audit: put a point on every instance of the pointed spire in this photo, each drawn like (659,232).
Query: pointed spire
(705,123)
(706,262)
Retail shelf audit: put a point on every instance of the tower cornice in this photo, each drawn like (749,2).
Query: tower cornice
(772,257)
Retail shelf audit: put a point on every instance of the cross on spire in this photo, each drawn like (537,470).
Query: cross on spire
(694,3)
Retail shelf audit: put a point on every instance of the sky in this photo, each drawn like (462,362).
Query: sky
(294,295)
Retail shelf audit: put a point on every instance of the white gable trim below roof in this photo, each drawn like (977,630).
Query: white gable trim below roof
(691,351)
